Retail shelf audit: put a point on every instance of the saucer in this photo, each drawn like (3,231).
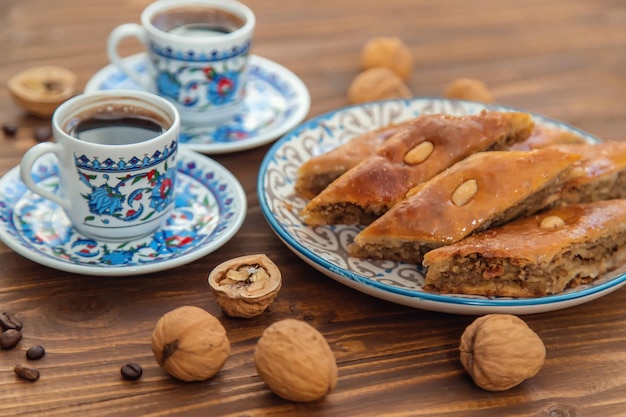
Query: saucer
(210,208)
(276,101)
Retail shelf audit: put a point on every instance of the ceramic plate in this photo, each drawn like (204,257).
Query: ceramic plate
(277,100)
(210,208)
(324,247)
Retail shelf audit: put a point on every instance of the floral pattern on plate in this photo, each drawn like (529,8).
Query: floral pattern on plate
(325,247)
(210,206)
(276,101)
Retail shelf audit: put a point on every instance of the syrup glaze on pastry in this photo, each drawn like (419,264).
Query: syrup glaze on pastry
(368,190)
(316,173)
(484,190)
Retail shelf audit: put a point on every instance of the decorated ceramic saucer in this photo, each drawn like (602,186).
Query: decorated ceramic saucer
(276,101)
(210,208)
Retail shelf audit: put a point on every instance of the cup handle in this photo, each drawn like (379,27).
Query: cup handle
(26,166)
(115,37)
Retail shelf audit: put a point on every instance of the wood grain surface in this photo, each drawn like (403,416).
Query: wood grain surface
(563,59)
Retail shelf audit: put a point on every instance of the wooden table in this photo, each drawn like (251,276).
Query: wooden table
(563,59)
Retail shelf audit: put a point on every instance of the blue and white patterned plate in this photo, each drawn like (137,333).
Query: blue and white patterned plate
(325,247)
(276,101)
(210,208)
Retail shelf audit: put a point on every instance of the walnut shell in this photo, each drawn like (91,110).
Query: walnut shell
(41,90)
(499,351)
(190,344)
(295,361)
(377,84)
(390,53)
(245,286)
(469,89)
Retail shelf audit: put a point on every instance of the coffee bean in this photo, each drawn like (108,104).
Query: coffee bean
(7,322)
(24,372)
(35,352)
(9,129)
(42,134)
(131,371)
(10,338)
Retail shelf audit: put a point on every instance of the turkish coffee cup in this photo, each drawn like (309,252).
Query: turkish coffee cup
(198,54)
(116,160)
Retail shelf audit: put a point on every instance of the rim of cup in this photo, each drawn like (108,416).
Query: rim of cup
(231,6)
(85,101)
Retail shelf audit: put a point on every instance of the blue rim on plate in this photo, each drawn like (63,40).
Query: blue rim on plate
(210,208)
(324,247)
(276,101)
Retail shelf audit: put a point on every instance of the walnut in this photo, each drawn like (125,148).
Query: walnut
(469,89)
(245,286)
(377,84)
(499,351)
(190,344)
(41,90)
(389,53)
(295,361)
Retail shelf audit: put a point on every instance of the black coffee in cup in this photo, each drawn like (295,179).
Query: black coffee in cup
(116,125)
(195,21)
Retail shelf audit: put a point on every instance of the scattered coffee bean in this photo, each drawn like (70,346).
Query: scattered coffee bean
(10,338)
(131,371)
(42,134)
(35,352)
(24,372)
(7,322)
(9,129)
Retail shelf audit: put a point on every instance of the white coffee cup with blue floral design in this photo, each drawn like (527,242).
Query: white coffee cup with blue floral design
(116,159)
(198,52)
